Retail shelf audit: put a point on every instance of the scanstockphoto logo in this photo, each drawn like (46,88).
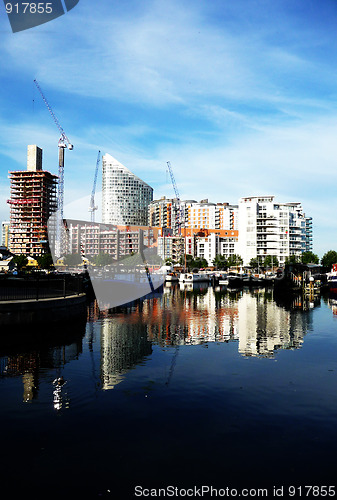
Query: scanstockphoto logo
(25,15)
(122,261)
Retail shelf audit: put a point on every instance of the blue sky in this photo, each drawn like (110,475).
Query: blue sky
(239,96)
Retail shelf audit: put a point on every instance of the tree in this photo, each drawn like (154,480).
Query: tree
(20,261)
(189,261)
(235,260)
(103,259)
(192,263)
(199,263)
(72,259)
(293,259)
(220,262)
(329,258)
(45,261)
(270,261)
(309,258)
(254,263)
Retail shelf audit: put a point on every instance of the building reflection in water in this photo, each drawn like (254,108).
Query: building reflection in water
(264,326)
(186,315)
(332,303)
(200,314)
(124,344)
(43,360)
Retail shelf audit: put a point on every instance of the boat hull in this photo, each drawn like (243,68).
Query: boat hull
(171,278)
(192,278)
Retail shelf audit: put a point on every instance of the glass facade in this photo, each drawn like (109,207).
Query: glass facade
(125,197)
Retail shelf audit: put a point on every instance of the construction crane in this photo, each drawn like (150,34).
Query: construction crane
(63,144)
(92,206)
(179,208)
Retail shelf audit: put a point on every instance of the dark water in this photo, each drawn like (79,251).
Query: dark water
(188,389)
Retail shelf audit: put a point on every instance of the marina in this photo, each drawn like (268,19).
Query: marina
(168,272)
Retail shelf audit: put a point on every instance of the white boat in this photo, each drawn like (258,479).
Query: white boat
(223,279)
(170,277)
(193,277)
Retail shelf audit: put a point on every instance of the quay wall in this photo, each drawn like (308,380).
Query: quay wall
(48,311)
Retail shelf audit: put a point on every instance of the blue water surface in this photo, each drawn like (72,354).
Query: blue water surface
(191,388)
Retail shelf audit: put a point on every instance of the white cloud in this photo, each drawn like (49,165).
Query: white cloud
(239,105)
(168,54)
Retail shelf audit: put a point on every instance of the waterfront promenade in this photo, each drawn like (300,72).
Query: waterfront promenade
(40,299)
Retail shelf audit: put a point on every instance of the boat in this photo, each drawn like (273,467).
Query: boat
(246,279)
(223,280)
(258,279)
(219,278)
(332,283)
(170,277)
(193,277)
(234,280)
(270,278)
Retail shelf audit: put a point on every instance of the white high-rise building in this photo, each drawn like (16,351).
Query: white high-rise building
(270,228)
(125,197)
(210,246)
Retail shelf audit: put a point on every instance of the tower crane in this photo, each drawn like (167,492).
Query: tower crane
(92,206)
(179,209)
(63,144)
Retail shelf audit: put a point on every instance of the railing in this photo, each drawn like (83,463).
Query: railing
(295,279)
(40,287)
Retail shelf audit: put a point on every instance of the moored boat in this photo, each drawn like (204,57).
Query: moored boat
(246,279)
(258,279)
(234,280)
(193,277)
(219,278)
(332,283)
(172,277)
(270,278)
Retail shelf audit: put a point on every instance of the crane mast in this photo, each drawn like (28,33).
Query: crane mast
(62,145)
(179,208)
(92,206)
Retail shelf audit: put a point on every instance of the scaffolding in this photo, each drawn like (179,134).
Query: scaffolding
(33,199)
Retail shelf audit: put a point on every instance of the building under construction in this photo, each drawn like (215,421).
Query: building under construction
(33,200)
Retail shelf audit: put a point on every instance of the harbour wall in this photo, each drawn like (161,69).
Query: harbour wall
(45,310)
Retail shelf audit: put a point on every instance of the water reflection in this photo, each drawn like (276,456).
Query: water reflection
(264,326)
(195,314)
(44,360)
(332,303)
(124,344)
(123,338)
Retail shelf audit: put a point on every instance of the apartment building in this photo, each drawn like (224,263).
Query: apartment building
(93,239)
(175,247)
(207,215)
(212,244)
(308,238)
(125,197)
(163,212)
(270,228)
(193,214)
(33,198)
